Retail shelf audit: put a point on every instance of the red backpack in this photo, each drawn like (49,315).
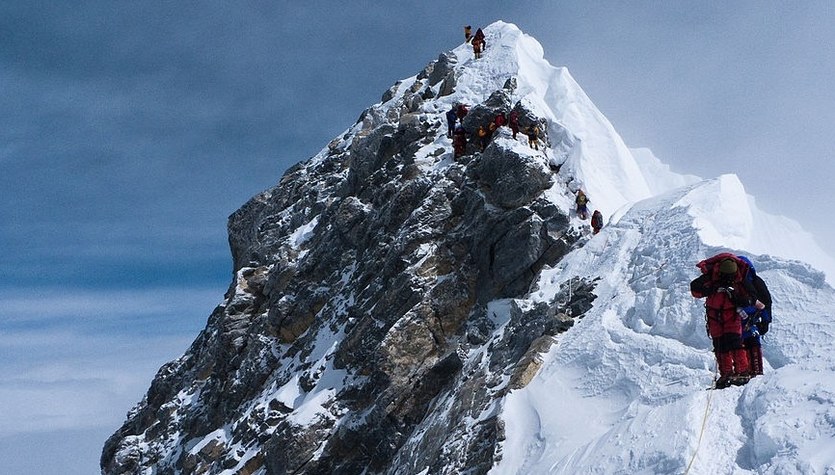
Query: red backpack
(724,295)
(711,276)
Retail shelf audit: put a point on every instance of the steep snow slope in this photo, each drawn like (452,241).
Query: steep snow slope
(622,391)
(658,174)
(728,217)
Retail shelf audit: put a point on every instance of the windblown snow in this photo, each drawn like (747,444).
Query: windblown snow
(623,390)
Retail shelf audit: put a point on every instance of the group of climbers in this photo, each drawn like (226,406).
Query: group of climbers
(581,200)
(737,312)
(532,131)
(738,303)
(484,133)
(455,130)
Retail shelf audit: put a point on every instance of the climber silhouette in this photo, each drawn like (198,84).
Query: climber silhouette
(478,43)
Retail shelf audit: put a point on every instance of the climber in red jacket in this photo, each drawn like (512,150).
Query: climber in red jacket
(726,290)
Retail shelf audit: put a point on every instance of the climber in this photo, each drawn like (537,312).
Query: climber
(468,33)
(459,141)
(476,48)
(450,121)
(514,122)
(724,284)
(500,119)
(755,322)
(461,111)
(581,201)
(478,43)
(533,137)
(483,137)
(596,221)
(480,36)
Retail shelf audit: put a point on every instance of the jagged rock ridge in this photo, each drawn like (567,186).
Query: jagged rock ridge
(370,326)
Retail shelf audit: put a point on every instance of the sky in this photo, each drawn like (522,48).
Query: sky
(131,130)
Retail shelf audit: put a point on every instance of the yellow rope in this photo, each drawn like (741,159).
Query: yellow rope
(704,424)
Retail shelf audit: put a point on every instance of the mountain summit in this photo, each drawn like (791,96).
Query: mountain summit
(396,309)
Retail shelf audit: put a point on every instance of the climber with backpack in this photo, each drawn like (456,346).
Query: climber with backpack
(533,137)
(483,137)
(478,43)
(755,322)
(582,201)
(596,221)
(468,33)
(459,141)
(724,285)
(451,117)
(514,122)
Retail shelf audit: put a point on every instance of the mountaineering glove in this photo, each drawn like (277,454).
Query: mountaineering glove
(762,327)
(727,290)
(759,305)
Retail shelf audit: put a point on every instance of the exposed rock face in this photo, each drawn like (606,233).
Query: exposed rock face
(362,331)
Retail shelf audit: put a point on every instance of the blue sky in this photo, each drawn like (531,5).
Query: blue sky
(131,130)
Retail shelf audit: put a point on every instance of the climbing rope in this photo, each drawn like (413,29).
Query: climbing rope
(647,274)
(704,424)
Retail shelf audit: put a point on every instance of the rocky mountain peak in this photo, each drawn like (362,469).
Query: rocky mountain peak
(358,332)
(387,295)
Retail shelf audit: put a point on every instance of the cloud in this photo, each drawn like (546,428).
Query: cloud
(76,360)
(82,359)
(93,389)
(65,452)
(50,306)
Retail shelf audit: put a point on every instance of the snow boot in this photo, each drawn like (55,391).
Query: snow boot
(723,382)
(740,379)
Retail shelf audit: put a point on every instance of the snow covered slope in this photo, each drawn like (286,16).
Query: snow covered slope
(623,391)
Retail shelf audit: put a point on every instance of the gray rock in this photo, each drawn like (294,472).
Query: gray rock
(508,179)
(443,67)
(389,94)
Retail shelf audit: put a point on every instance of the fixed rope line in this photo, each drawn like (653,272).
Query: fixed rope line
(704,424)
(647,274)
